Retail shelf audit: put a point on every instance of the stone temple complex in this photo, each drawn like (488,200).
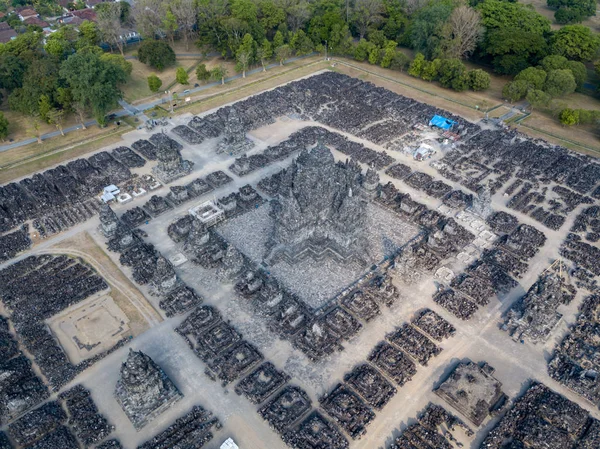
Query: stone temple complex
(318,212)
(144,391)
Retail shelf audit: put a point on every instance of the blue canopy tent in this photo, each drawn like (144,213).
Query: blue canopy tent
(441,122)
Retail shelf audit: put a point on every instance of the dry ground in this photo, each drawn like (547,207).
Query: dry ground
(125,294)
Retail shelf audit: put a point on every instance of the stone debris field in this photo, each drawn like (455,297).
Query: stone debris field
(289,270)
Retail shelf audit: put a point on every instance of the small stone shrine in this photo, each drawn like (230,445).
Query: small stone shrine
(235,141)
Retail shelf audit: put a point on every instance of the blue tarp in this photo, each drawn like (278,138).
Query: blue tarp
(441,122)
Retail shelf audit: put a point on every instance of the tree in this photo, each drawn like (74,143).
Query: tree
(451,69)
(109,24)
(271,15)
(538,98)
(568,15)
(428,28)
(148,16)
(94,83)
(12,71)
(169,25)
(301,43)
(283,53)
(417,65)
(56,117)
(464,32)
(575,42)
(119,60)
(579,72)
(389,53)
(297,15)
(367,13)
(431,70)
(243,59)
(534,77)
(515,36)
(278,39)
(186,15)
(45,105)
(461,82)
(515,90)
(569,117)
(374,55)
(154,83)
(181,76)
(88,34)
(264,53)
(202,73)
(219,73)
(479,80)
(400,61)
(3,127)
(560,82)
(362,50)
(157,54)
(579,9)
(554,62)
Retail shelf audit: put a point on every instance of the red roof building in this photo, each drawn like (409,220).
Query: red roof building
(85,14)
(7,35)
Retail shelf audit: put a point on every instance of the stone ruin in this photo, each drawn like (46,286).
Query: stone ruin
(318,212)
(165,279)
(235,141)
(108,221)
(171,165)
(534,316)
(542,418)
(482,202)
(143,390)
(473,390)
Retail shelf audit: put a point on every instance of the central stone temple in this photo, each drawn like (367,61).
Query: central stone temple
(319,212)
(144,391)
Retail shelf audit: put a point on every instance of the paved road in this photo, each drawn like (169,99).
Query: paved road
(128,109)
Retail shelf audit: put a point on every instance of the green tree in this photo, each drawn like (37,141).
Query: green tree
(559,83)
(56,117)
(461,82)
(534,77)
(94,83)
(479,80)
(119,60)
(245,54)
(417,65)
(374,55)
(579,72)
(568,15)
(270,15)
(431,70)
(362,50)
(554,62)
(538,98)
(12,71)
(451,69)
(278,40)
(583,8)
(3,127)
(283,53)
(219,73)
(157,54)
(515,35)
(389,53)
(569,117)
(264,53)
(575,42)
(202,73)
(515,90)
(154,83)
(45,106)
(301,43)
(400,61)
(169,25)
(181,76)
(428,27)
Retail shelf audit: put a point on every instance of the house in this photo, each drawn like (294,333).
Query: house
(27,13)
(36,21)
(85,14)
(2,15)
(7,35)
